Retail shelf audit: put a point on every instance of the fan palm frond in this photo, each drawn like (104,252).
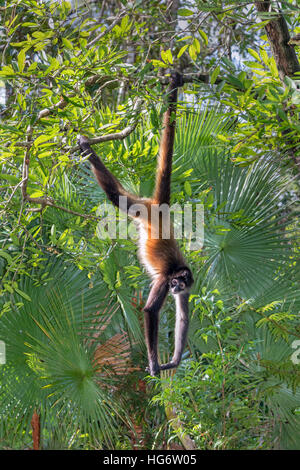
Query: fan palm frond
(199,130)
(115,354)
(247,237)
(51,350)
(280,397)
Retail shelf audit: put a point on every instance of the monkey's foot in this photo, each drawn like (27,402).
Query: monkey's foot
(154,371)
(169,365)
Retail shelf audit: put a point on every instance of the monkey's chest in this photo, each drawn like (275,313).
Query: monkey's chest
(156,254)
(144,252)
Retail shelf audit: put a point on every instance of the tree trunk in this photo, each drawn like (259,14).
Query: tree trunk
(36,432)
(278,36)
(284,54)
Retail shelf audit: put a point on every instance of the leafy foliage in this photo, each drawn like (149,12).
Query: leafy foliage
(71,300)
(52,343)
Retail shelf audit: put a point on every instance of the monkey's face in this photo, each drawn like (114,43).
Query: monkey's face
(181,281)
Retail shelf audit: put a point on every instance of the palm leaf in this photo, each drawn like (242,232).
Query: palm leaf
(246,240)
(279,396)
(51,348)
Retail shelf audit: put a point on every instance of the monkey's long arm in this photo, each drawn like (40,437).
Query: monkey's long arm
(164,167)
(181,330)
(153,305)
(105,178)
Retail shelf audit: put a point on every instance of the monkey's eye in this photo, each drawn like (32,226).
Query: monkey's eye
(173,282)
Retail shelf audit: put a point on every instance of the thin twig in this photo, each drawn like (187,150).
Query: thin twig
(11,196)
(108,29)
(60,105)
(51,203)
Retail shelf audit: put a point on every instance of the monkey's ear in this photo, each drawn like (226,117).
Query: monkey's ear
(186,273)
(188,277)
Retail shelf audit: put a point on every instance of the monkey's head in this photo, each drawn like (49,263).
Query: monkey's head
(181,281)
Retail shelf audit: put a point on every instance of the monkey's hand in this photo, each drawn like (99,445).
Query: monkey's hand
(87,151)
(83,142)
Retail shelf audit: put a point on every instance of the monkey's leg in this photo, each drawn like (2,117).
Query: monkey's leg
(181,330)
(153,305)
(151,336)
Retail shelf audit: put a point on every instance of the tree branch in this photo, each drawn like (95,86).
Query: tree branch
(42,201)
(120,135)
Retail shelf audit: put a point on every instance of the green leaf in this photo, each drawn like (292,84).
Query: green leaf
(196,45)
(290,82)
(53,366)
(214,75)
(21,60)
(32,67)
(282,115)
(185,38)
(264,56)
(6,256)
(273,67)
(29,25)
(182,50)
(235,81)
(67,43)
(185,12)
(188,188)
(125,26)
(36,194)
(11,178)
(253,65)
(41,139)
(158,63)
(203,35)
(228,63)
(254,54)
(167,56)
(6,71)
(23,294)
(193,52)
(296,98)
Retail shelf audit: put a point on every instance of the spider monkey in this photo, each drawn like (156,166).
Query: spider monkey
(159,254)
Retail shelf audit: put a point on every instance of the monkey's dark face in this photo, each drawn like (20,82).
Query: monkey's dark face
(181,281)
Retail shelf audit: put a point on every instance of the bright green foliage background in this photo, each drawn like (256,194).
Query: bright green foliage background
(65,292)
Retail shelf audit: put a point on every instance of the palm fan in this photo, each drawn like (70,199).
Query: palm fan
(247,241)
(51,354)
(270,363)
